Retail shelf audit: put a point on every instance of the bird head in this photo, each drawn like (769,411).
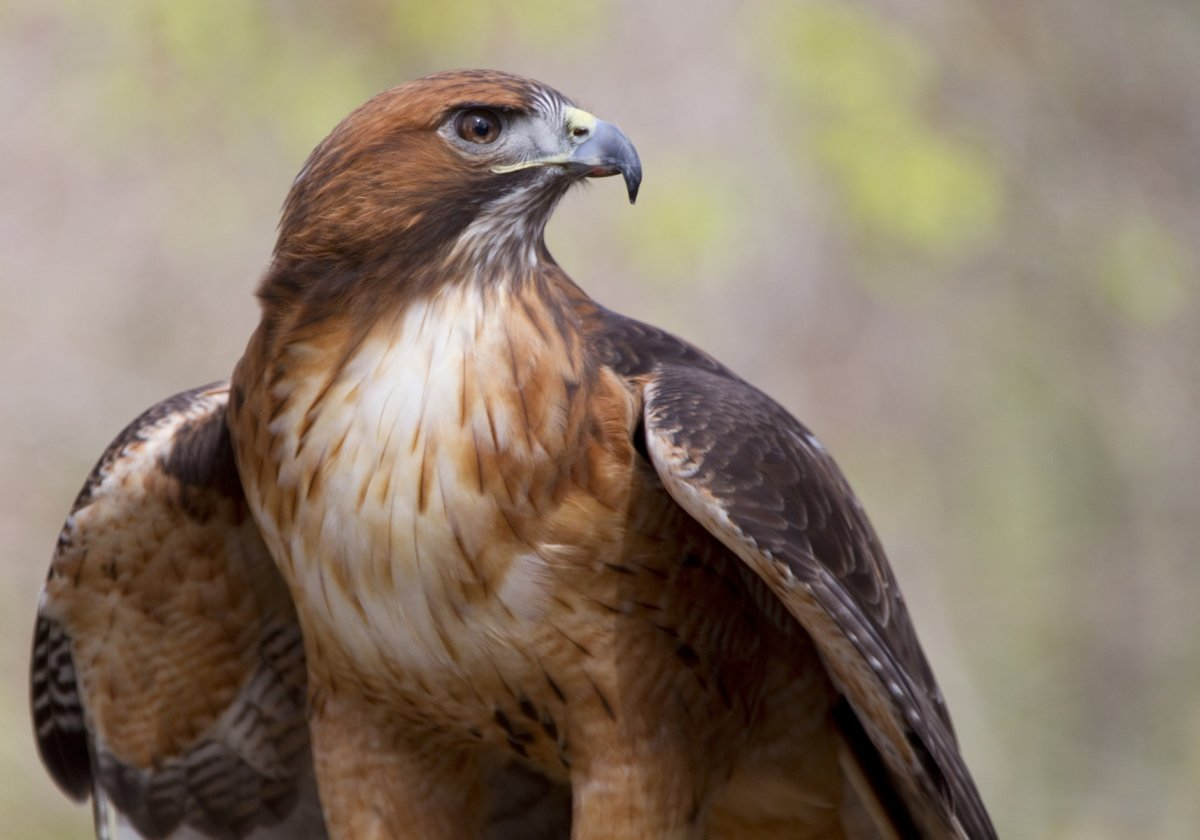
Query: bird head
(466,163)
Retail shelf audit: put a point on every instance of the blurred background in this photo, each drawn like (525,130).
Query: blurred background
(958,239)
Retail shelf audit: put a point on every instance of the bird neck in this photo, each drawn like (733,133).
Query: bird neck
(502,248)
(506,238)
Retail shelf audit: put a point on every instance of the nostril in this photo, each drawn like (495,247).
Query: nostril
(580,132)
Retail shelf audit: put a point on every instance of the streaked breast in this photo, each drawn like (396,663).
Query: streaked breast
(408,464)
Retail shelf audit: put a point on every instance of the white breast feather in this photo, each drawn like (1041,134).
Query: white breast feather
(407,398)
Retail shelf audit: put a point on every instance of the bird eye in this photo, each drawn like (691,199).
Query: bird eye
(478,125)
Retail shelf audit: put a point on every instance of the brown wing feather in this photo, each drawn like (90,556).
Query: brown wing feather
(168,674)
(762,484)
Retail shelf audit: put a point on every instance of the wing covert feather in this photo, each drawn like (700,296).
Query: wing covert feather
(168,673)
(761,483)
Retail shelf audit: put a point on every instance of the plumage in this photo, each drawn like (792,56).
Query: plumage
(168,676)
(557,571)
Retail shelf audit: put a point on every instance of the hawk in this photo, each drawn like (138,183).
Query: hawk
(531,544)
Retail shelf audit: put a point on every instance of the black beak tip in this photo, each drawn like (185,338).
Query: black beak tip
(633,180)
(608,152)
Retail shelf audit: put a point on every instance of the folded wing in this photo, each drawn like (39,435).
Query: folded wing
(763,485)
(168,673)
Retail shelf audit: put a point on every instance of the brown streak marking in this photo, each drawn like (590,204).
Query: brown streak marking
(568,327)
(462,547)
(512,362)
(487,410)
(442,636)
(567,607)
(388,561)
(419,426)
(501,719)
(310,416)
(541,407)
(576,644)
(516,534)
(351,348)
(387,441)
(658,573)
(277,405)
(670,632)
(562,698)
(500,678)
(316,481)
(531,317)
(422,495)
(358,604)
(508,491)
(523,736)
(478,460)
(462,392)
(607,607)
(527,708)
(509,613)
(603,700)
(291,494)
(385,488)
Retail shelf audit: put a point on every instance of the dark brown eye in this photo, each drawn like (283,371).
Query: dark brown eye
(478,125)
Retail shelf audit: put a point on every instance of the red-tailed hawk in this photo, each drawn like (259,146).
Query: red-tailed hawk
(526,538)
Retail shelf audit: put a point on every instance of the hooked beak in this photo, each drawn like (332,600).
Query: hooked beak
(599,150)
(606,151)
